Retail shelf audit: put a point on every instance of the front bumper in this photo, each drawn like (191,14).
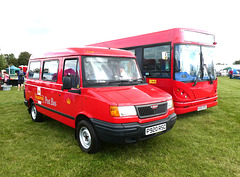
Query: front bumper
(185,107)
(129,132)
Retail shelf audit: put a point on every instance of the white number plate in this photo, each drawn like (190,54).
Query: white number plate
(155,129)
(202,108)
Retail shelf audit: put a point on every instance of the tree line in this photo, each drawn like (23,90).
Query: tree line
(236,62)
(7,60)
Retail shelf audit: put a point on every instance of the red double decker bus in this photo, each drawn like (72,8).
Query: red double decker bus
(179,61)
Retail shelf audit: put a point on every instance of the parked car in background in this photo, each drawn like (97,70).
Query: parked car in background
(223,72)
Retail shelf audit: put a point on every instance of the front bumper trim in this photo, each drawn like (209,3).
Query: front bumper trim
(129,132)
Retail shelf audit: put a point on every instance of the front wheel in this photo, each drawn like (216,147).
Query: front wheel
(87,138)
(35,115)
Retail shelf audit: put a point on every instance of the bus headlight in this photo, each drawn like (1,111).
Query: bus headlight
(170,104)
(118,111)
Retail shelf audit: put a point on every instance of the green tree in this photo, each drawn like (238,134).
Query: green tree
(11,59)
(236,62)
(3,62)
(23,58)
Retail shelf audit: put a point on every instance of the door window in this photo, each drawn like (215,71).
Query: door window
(71,69)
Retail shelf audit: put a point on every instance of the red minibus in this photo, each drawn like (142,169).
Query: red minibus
(100,93)
(179,61)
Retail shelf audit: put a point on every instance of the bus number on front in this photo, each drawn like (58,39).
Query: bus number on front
(152,81)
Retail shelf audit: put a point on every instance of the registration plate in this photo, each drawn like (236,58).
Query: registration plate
(155,129)
(202,108)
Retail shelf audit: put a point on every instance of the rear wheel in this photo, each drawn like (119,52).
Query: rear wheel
(87,138)
(35,115)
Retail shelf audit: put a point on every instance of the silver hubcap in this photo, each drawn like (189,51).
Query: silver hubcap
(34,112)
(85,137)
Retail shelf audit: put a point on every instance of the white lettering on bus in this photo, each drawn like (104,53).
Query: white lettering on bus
(50,101)
(53,103)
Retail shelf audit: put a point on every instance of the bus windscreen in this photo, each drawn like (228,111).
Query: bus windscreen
(194,62)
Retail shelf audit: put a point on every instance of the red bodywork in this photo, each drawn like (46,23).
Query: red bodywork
(203,94)
(93,102)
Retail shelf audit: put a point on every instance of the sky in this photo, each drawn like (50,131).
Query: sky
(44,25)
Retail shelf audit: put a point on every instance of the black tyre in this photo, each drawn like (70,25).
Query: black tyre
(35,115)
(87,138)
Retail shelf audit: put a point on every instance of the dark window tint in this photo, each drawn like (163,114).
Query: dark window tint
(156,61)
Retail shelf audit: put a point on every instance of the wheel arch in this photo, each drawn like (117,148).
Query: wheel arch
(29,104)
(78,119)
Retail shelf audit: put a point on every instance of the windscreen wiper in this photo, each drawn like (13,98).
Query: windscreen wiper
(210,78)
(195,81)
(125,81)
(117,81)
(137,80)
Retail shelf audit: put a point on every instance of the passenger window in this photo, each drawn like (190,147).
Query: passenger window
(71,69)
(34,70)
(50,70)
(156,61)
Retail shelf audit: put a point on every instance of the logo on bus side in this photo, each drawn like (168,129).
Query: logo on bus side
(68,101)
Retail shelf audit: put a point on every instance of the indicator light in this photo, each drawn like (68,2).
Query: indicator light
(181,93)
(114,111)
(117,111)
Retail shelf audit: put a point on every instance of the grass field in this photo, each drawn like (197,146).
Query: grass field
(205,143)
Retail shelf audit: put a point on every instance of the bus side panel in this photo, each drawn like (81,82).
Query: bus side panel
(56,116)
(45,96)
(164,84)
(53,103)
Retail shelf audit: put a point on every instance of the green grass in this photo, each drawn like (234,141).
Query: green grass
(205,143)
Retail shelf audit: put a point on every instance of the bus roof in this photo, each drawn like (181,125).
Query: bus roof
(175,35)
(90,51)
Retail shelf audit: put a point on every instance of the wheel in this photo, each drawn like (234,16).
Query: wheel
(87,138)
(35,115)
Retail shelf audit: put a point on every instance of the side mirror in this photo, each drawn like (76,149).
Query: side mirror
(145,79)
(67,83)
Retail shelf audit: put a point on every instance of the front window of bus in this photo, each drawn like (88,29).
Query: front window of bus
(194,62)
(208,60)
(107,71)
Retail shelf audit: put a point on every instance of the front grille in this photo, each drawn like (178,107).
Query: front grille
(150,110)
